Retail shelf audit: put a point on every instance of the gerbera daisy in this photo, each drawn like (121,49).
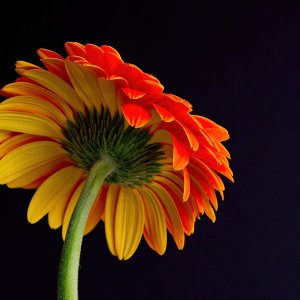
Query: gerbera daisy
(92,113)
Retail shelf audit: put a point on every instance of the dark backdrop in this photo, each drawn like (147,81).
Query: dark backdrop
(238,63)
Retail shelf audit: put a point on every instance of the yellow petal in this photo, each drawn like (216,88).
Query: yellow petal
(23,66)
(129,223)
(5,135)
(33,179)
(124,221)
(32,105)
(53,194)
(161,136)
(110,214)
(155,231)
(29,89)
(94,215)
(108,94)
(97,211)
(69,178)
(172,216)
(29,123)
(17,141)
(85,84)
(28,158)
(176,177)
(57,86)
(70,208)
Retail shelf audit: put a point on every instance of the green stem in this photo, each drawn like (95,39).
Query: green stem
(69,264)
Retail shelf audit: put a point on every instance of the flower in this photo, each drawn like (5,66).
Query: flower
(59,120)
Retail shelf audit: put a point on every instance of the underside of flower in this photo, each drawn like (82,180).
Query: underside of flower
(95,135)
(92,107)
(100,140)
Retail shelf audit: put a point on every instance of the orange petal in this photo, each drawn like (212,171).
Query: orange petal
(74,48)
(186,190)
(45,53)
(183,208)
(212,177)
(105,60)
(216,162)
(164,113)
(222,149)
(149,86)
(204,182)
(176,108)
(217,131)
(110,49)
(180,154)
(57,67)
(132,93)
(136,115)
(133,74)
(182,101)
(201,197)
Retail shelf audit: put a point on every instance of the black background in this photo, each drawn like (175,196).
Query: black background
(238,64)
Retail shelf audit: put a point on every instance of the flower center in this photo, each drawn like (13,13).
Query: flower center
(95,136)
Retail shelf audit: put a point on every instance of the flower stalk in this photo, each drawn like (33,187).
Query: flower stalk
(69,264)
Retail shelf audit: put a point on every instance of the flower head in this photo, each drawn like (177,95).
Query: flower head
(58,121)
